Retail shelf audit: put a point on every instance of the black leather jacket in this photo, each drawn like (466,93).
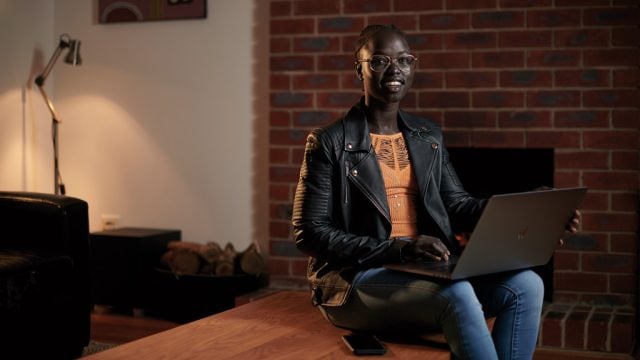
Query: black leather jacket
(341,216)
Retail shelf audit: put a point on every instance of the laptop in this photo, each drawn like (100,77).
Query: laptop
(515,231)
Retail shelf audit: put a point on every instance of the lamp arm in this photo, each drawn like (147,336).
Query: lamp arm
(64,43)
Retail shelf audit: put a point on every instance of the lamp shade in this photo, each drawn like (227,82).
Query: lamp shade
(73,56)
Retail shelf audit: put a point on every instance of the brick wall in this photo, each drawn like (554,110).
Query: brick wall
(559,74)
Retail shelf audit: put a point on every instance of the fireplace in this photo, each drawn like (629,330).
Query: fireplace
(490,171)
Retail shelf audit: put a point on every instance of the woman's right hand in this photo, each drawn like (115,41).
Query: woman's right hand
(426,247)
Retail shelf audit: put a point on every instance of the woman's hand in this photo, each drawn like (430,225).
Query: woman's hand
(426,247)
(572,224)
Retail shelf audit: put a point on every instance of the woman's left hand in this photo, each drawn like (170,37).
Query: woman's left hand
(571,226)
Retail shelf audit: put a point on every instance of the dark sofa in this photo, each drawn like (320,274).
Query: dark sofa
(45,300)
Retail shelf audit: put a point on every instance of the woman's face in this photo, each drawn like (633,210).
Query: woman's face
(391,84)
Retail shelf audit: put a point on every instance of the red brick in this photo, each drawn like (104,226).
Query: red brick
(444,60)
(279,155)
(574,336)
(299,267)
(525,78)
(629,119)
(582,160)
(279,81)
(581,2)
(280,211)
(609,222)
(279,266)
(564,260)
(566,178)
(610,140)
(280,8)
(340,100)
(497,19)
(609,263)
(315,81)
(457,138)
(552,325)
(524,119)
(597,332)
(288,174)
(279,118)
(412,5)
(529,39)
(608,299)
(501,59)
(566,297)
(470,79)
(629,37)
(595,201)
(444,99)
(287,26)
(443,21)
(343,24)
(291,63)
(290,100)
(470,4)
(350,43)
(553,98)
(582,78)
(428,80)
(279,229)
(625,243)
(624,283)
(316,44)
(607,16)
(553,58)
(280,45)
(470,119)
(611,57)
(553,18)
(297,155)
(579,281)
(497,99)
(288,136)
(553,139)
(404,22)
(349,81)
(335,62)
(410,101)
(419,42)
(611,180)
(624,202)
(581,119)
(497,139)
(279,192)
(625,160)
(622,330)
(581,37)
(313,118)
(316,7)
(367,6)
(470,40)
(626,78)
(611,98)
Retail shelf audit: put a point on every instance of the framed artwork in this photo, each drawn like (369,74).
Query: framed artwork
(115,11)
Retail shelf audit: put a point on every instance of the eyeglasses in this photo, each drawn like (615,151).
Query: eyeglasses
(380,63)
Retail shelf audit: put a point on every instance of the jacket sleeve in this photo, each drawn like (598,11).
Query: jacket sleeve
(316,231)
(464,210)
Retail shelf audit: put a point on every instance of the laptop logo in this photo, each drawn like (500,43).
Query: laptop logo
(522,233)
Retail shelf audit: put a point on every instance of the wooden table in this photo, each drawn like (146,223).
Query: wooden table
(281,326)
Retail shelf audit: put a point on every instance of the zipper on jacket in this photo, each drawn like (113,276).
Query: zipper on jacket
(346,182)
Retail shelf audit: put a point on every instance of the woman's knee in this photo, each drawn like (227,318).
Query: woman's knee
(461,297)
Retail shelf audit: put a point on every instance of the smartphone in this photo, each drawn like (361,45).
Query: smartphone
(364,344)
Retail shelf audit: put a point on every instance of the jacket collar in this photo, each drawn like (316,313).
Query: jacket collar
(356,128)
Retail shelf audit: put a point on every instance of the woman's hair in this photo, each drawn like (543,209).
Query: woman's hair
(372,31)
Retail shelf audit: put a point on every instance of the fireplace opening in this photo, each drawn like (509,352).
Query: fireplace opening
(490,171)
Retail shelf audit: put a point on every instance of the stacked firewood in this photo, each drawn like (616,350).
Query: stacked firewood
(188,258)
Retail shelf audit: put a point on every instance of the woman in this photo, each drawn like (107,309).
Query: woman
(375,187)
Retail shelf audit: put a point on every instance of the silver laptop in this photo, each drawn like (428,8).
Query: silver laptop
(515,231)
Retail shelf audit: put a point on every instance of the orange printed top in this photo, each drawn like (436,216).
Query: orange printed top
(399,182)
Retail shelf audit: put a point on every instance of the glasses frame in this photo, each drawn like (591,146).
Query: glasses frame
(391,60)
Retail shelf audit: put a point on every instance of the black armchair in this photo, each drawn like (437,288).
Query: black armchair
(45,299)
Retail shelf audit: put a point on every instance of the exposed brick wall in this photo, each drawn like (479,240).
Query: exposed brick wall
(559,74)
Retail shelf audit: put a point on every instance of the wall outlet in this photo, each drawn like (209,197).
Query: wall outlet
(110,221)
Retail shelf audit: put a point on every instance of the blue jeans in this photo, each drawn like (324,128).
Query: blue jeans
(387,301)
